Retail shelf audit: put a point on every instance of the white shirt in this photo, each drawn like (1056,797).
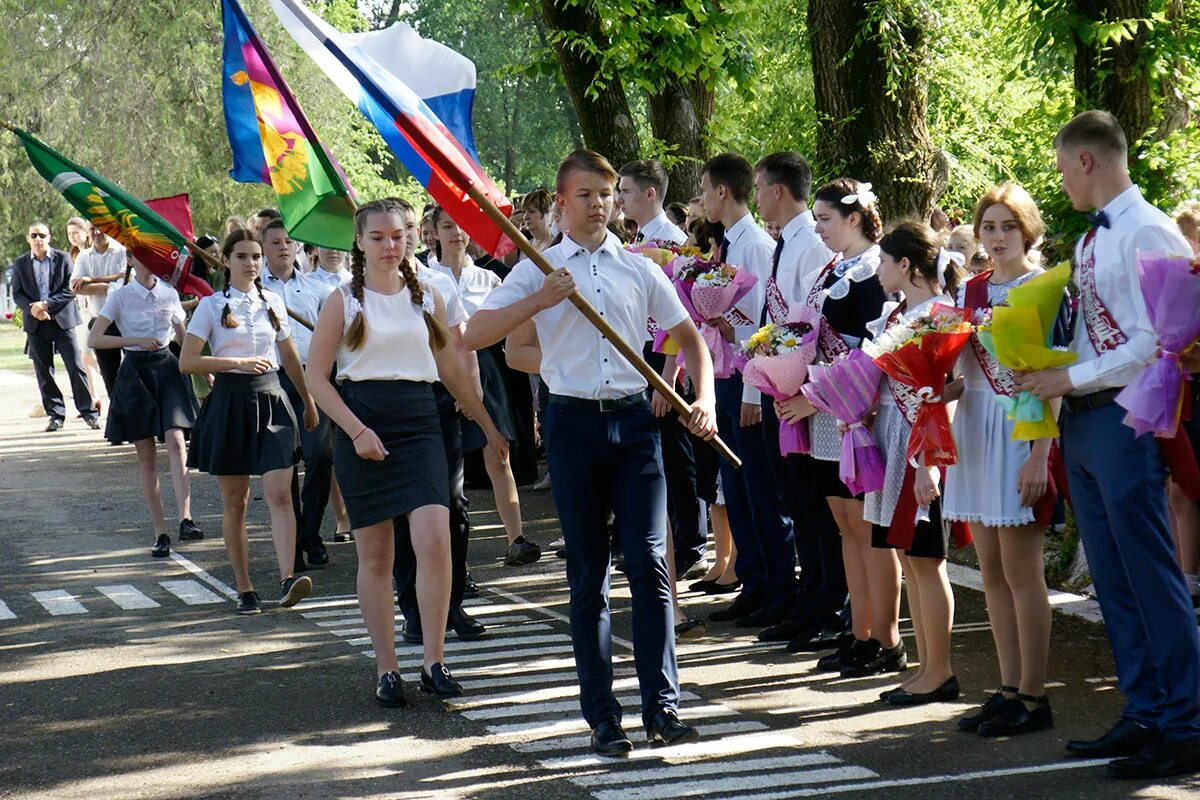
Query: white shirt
(444,284)
(144,313)
(331,279)
(304,295)
(253,337)
(803,254)
(625,288)
(397,344)
(91,263)
(1135,226)
(474,284)
(662,231)
(750,248)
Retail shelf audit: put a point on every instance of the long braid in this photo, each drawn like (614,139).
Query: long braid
(438,335)
(356,336)
(275,323)
(227,318)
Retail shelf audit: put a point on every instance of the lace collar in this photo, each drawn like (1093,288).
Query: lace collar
(852,270)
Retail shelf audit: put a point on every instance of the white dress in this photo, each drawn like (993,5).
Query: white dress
(982,486)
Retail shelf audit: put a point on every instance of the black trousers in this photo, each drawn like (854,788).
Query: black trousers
(311,500)
(823,598)
(404,567)
(109,359)
(43,341)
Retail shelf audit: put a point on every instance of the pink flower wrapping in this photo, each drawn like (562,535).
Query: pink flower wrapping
(709,302)
(781,377)
(846,389)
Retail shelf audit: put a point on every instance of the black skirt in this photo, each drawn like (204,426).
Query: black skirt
(404,416)
(495,400)
(149,398)
(827,482)
(246,427)
(931,538)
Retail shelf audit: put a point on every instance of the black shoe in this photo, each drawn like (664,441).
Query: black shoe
(317,555)
(724,588)
(784,631)
(886,659)
(93,423)
(248,603)
(188,532)
(54,425)
(470,588)
(691,628)
(949,690)
(341,537)
(765,617)
(390,691)
(1014,718)
(701,586)
(833,662)
(744,604)
(1159,760)
(293,590)
(464,626)
(988,710)
(439,683)
(162,546)
(522,552)
(1126,738)
(411,632)
(609,739)
(824,639)
(665,728)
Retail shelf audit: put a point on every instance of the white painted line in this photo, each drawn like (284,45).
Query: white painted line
(562,743)
(476,657)
(493,624)
(216,583)
(524,604)
(684,771)
(333,612)
(5,612)
(190,592)
(930,779)
(345,600)
(59,602)
(478,644)
(722,786)
(557,707)
(534,729)
(532,695)
(524,679)
(705,748)
(127,597)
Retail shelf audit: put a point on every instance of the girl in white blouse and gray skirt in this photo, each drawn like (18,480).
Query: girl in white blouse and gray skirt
(388,335)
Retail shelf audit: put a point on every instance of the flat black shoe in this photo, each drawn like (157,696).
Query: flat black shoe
(93,423)
(701,586)
(744,604)
(293,590)
(390,691)
(54,425)
(1162,759)
(162,546)
(317,555)
(1015,718)
(470,588)
(765,617)
(833,662)
(522,552)
(824,639)
(784,631)
(949,690)
(248,603)
(438,682)
(665,728)
(887,659)
(988,710)
(609,739)
(464,625)
(691,628)
(341,537)
(861,653)
(724,588)
(188,532)
(1126,738)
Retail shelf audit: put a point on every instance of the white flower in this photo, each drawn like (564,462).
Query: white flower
(865,196)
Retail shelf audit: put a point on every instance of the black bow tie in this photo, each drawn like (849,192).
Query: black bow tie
(1099,220)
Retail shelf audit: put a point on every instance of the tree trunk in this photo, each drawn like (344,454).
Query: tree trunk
(1107,75)
(679,114)
(560,91)
(866,132)
(601,105)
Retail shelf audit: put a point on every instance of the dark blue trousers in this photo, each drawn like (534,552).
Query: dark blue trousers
(601,461)
(1118,493)
(762,530)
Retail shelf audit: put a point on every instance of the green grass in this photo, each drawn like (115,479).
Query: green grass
(12,348)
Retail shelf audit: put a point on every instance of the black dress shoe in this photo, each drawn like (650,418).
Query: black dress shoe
(341,537)
(1015,718)
(411,632)
(885,659)
(724,588)
(162,546)
(390,691)
(824,639)
(609,739)
(700,586)
(470,588)
(765,617)
(54,425)
(744,604)
(437,681)
(949,690)
(833,662)
(188,531)
(464,625)
(988,710)
(1126,738)
(317,555)
(1162,759)
(665,728)
(783,632)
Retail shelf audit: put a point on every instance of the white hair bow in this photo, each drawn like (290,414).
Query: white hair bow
(864,197)
(944,258)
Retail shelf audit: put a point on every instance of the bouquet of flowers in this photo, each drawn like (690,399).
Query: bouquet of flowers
(1018,335)
(665,256)
(779,359)
(846,389)
(918,354)
(708,290)
(1171,287)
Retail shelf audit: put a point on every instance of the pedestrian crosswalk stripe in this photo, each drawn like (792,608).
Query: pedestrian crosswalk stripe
(492,656)
(5,612)
(547,728)
(577,742)
(722,786)
(127,597)
(556,707)
(675,772)
(494,625)
(59,602)
(474,700)
(191,592)
(707,747)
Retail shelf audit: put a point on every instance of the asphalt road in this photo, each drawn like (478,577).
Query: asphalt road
(126,677)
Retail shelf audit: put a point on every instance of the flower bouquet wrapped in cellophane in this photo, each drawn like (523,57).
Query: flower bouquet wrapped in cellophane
(847,389)
(779,357)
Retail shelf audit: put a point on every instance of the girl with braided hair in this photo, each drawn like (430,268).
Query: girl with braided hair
(246,425)
(388,333)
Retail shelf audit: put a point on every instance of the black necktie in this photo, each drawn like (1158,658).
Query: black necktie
(1099,220)
(774,276)
(641,237)
(723,250)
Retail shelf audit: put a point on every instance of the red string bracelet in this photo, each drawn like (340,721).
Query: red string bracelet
(360,433)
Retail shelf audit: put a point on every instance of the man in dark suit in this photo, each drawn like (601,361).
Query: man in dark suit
(41,287)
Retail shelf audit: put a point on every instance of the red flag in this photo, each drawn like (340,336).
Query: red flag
(175,268)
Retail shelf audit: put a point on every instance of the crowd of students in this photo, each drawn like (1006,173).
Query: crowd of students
(414,359)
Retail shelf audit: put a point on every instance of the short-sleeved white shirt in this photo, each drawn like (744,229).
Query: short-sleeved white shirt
(304,295)
(474,284)
(331,279)
(626,288)
(144,313)
(455,313)
(253,337)
(91,263)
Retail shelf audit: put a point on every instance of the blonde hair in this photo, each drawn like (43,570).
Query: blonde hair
(1023,208)
(1188,220)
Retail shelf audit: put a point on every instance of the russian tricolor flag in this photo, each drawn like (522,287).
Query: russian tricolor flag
(438,150)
